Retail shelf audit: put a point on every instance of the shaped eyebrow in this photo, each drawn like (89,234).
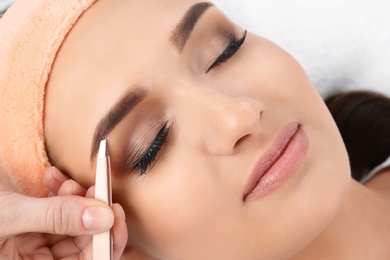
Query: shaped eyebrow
(186,25)
(115,115)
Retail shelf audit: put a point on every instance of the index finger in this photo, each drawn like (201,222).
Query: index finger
(53,179)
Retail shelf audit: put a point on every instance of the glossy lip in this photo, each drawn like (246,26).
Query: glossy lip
(277,164)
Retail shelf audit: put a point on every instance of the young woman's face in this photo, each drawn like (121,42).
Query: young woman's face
(188,107)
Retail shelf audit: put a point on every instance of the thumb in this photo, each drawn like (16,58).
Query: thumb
(65,215)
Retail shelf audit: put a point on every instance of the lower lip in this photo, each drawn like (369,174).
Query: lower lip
(284,167)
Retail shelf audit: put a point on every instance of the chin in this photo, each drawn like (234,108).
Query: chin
(323,192)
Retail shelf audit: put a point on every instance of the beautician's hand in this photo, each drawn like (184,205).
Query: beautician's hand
(57,227)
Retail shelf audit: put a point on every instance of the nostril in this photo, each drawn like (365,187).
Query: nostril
(242,139)
(261,116)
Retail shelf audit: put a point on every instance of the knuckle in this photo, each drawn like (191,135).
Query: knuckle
(58,216)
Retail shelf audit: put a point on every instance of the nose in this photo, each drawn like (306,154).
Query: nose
(226,119)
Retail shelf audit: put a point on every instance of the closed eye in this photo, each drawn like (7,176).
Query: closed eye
(148,157)
(231,49)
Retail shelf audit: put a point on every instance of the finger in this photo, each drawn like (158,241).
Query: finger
(70,187)
(55,238)
(90,192)
(53,179)
(72,246)
(64,215)
(86,253)
(119,231)
(81,245)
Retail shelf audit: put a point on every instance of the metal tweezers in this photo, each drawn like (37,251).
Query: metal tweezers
(103,243)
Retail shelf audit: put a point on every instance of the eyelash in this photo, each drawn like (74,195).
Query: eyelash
(150,155)
(231,49)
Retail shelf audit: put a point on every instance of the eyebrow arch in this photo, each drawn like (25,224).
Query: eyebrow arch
(183,30)
(115,115)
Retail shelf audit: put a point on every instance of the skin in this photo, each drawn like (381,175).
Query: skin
(189,205)
(52,228)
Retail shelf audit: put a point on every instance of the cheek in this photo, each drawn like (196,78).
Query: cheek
(184,213)
(264,71)
(169,204)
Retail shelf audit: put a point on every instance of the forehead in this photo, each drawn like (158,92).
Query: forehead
(119,30)
(115,45)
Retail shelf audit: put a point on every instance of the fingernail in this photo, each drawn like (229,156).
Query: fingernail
(98,219)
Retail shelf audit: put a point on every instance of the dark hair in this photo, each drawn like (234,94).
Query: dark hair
(363,119)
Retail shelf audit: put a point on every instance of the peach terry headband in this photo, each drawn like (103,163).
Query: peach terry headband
(31,33)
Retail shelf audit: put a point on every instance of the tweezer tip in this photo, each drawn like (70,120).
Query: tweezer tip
(102,149)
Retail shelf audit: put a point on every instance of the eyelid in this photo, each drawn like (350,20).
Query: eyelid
(234,43)
(152,153)
(135,151)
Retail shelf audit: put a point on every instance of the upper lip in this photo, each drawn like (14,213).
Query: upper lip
(271,156)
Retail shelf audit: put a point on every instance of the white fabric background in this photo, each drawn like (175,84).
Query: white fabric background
(4,4)
(341,44)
